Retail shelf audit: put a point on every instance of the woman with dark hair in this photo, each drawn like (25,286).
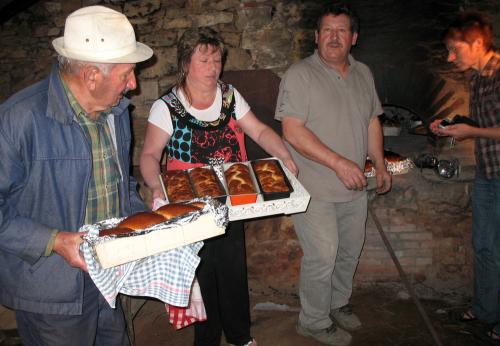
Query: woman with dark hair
(199,121)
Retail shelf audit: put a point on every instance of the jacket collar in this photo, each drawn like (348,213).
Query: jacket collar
(58,106)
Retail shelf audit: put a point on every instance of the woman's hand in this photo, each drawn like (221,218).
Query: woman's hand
(157,193)
(292,167)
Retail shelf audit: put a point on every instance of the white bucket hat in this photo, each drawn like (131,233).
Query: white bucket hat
(100,34)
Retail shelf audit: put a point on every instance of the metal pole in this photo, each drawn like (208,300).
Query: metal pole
(404,278)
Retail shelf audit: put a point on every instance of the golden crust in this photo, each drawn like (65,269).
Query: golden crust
(205,182)
(239,180)
(270,176)
(170,211)
(178,186)
(141,220)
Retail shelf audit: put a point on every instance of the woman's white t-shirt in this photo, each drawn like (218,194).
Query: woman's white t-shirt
(159,115)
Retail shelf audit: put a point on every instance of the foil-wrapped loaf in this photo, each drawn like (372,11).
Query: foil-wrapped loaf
(395,163)
(159,261)
(117,241)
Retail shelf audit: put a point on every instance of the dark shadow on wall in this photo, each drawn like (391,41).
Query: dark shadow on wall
(260,89)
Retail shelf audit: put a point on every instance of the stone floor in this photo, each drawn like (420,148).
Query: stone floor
(389,315)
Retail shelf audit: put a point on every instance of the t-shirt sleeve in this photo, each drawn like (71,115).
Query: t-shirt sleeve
(376,105)
(293,96)
(159,115)
(241,107)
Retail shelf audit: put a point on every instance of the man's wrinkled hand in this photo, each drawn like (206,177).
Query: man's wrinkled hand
(350,175)
(384,181)
(67,245)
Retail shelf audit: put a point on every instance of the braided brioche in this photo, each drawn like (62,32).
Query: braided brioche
(239,180)
(205,182)
(178,186)
(270,176)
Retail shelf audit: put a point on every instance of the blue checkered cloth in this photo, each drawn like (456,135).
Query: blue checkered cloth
(167,276)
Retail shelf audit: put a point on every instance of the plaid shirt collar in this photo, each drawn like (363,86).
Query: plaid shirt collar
(78,109)
(102,194)
(491,66)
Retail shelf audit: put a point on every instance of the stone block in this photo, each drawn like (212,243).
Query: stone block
(54,32)
(376,254)
(410,244)
(401,228)
(196,5)
(415,236)
(163,63)
(178,23)
(166,82)
(368,262)
(141,111)
(146,92)
(231,39)
(140,8)
(52,7)
(251,18)
(41,31)
(224,4)
(269,47)
(238,59)
(171,13)
(413,252)
(161,38)
(212,18)
(423,261)
(428,244)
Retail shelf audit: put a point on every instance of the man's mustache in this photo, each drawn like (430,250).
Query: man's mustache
(334,44)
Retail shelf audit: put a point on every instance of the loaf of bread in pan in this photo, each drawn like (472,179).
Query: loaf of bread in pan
(239,180)
(178,186)
(270,176)
(142,220)
(205,182)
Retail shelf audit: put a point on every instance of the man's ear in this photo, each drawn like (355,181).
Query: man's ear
(354,38)
(90,75)
(478,43)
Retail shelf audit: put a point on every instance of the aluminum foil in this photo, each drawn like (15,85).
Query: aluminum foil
(399,167)
(219,211)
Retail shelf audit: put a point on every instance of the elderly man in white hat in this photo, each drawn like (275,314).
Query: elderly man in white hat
(64,144)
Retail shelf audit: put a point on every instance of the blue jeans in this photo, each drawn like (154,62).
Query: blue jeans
(486,242)
(98,325)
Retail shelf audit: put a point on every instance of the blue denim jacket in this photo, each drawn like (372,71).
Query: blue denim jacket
(45,167)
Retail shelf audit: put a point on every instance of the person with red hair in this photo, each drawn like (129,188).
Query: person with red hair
(469,40)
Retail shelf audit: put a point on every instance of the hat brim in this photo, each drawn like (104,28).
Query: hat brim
(141,53)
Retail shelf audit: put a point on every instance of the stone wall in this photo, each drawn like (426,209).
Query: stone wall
(399,40)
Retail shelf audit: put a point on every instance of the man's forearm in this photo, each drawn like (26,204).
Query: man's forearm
(376,143)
